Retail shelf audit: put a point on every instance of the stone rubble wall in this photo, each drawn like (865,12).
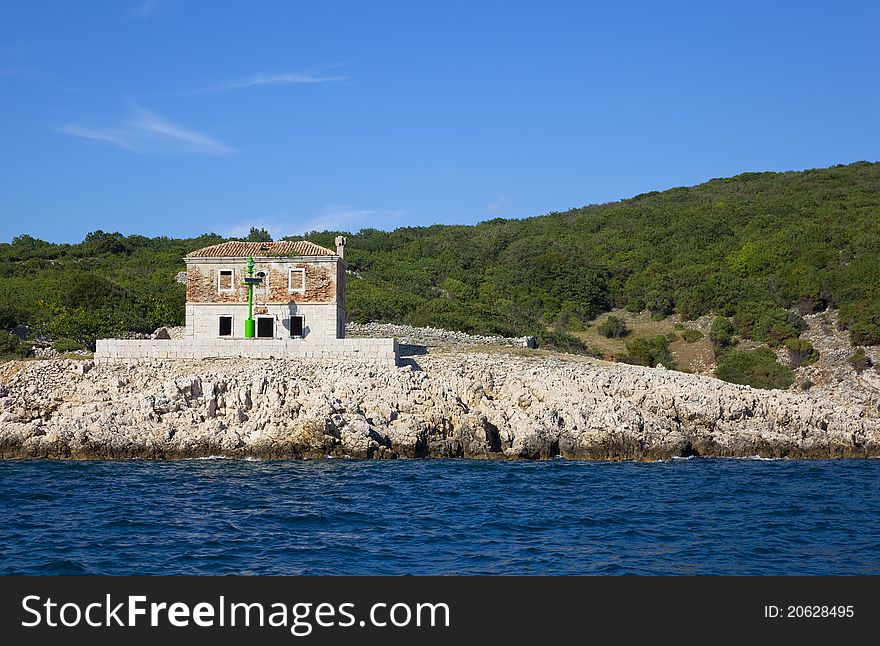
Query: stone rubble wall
(380,351)
(429,336)
(202,280)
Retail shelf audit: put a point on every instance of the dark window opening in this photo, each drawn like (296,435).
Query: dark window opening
(225,326)
(296,326)
(265,327)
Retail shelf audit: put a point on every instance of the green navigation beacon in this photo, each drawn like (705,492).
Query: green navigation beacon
(250,281)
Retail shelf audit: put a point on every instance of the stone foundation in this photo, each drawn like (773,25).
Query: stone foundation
(380,351)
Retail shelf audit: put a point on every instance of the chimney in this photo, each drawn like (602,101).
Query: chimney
(340,246)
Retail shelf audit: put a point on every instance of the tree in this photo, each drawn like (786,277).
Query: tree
(99,242)
(721,333)
(258,235)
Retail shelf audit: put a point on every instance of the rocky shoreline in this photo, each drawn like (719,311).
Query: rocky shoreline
(508,404)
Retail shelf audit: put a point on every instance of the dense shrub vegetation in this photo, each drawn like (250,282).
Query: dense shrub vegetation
(756,368)
(721,334)
(749,248)
(66,345)
(649,352)
(11,347)
(613,327)
(108,284)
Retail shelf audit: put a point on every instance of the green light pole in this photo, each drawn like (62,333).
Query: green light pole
(249,322)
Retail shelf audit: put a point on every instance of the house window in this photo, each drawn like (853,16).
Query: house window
(297,280)
(296,327)
(265,327)
(224,280)
(225,326)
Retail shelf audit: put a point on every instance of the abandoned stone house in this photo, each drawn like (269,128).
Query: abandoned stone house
(298,308)
(301,294)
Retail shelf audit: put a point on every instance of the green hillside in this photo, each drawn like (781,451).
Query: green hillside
(751,247)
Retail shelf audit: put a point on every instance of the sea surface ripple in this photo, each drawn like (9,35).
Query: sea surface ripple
(695,516)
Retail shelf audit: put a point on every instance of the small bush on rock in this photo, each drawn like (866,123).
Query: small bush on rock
(801,352)
(860,361)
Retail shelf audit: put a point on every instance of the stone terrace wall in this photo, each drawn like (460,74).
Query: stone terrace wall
(433,337)
(380,351)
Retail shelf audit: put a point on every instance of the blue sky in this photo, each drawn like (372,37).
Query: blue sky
(178,117)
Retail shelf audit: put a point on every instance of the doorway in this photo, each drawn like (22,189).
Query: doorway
(296,327)
(225,326)
(265,327)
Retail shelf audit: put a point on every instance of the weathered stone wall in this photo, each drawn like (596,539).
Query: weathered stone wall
(434,337)
(202,281)
(381,351)
(341,314)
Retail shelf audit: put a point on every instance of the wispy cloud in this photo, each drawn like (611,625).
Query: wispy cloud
(146,8)
(146,132)
(21,73)
(346,218)
(26,74)
(499,206)
(116,136)
(273,78)
(16,49)
(331,218)
(276,228)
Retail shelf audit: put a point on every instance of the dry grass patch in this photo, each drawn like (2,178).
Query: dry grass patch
(694,357)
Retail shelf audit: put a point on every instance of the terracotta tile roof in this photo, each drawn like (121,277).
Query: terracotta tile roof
(237,249)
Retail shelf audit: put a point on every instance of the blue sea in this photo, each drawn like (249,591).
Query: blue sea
(689,516)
